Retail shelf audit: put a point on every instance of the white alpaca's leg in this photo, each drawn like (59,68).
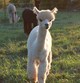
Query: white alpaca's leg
(42,71)
(17,18)
(10,19)
(49,63)
(31,71)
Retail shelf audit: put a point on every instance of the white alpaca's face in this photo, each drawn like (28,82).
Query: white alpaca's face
(17,18)
(45,17)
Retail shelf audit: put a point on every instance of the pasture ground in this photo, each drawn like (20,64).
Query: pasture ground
(65,48)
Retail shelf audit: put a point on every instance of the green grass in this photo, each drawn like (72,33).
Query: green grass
(65,48)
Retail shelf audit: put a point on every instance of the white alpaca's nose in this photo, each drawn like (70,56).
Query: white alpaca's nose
(47,25)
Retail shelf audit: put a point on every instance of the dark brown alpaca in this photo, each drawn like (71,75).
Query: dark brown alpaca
(37,3)
(29,20)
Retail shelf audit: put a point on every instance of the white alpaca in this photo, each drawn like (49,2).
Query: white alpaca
(39,47)
(12,15)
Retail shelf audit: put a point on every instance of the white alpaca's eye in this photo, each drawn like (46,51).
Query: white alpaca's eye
(50,19)
(40,20)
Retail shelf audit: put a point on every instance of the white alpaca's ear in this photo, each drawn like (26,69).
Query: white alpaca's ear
(35,10)
(55,10)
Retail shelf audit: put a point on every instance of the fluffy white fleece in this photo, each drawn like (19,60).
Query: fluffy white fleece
(39,46)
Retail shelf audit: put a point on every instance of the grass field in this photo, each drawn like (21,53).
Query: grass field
(65,48)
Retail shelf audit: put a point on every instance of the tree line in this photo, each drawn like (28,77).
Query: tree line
(44,4)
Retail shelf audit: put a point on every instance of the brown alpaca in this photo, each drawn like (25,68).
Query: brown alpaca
(29,20)
(37,3)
